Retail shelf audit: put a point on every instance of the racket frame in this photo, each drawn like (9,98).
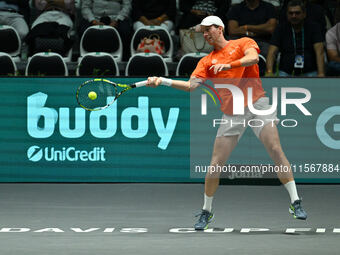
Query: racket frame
(115,85)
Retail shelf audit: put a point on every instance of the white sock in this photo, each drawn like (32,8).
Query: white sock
(207,203)
(291,188)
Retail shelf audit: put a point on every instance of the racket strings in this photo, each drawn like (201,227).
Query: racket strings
(105,92)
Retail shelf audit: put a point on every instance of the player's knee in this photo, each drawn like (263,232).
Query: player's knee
(213,174)
(276,150)
(214,170)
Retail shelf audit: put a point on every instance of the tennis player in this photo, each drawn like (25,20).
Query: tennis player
(234,59)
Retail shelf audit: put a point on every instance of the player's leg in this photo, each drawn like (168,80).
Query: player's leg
(222,149)
(269,136)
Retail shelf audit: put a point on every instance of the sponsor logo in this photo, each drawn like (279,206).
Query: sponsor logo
(35,154)
(321,131)
(42,120)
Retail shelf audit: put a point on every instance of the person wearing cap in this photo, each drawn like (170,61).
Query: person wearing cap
(229,60)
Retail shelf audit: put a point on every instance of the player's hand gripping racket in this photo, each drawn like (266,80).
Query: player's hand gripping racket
(93,95)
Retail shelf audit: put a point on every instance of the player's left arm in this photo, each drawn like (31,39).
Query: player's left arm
(251,57)
(320,60)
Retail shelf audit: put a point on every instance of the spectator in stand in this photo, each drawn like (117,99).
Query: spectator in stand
(113,13)
(337,12)
(195,10)
(255,19)
(300,43)
(154,13)
(15,13)
(333,50)
(60,11)
(276,3)
(55,20)
(314,13)
(328,9)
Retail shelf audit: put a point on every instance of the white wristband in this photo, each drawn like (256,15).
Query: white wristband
(166,81)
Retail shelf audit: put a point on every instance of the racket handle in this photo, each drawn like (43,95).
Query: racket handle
(140,84)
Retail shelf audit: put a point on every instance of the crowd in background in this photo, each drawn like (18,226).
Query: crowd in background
(297,37)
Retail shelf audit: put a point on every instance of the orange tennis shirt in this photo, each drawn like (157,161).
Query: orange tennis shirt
(242,77)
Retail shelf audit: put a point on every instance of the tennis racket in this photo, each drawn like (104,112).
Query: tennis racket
(93,95)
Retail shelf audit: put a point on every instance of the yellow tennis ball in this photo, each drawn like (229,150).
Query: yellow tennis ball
(92,95)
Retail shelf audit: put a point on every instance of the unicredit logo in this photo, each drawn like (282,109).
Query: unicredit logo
(35,153)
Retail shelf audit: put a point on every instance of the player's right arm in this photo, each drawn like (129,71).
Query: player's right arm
(189,85)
